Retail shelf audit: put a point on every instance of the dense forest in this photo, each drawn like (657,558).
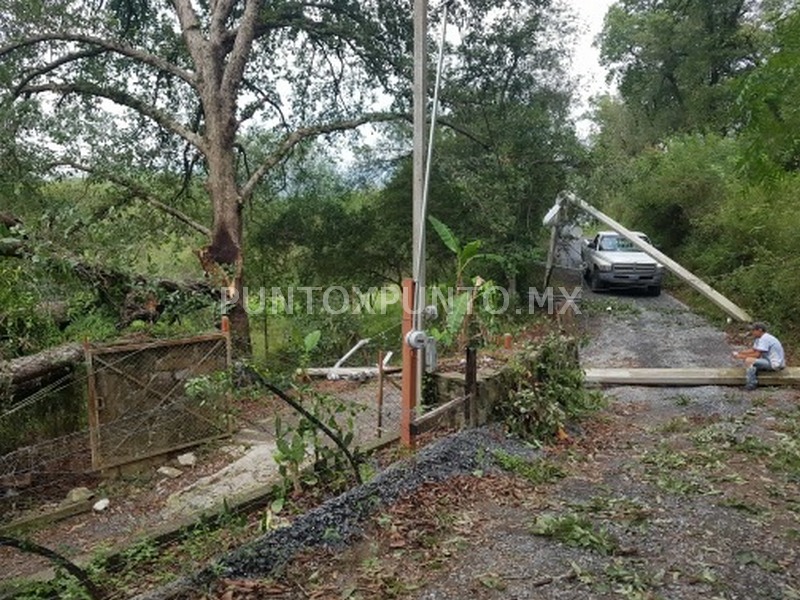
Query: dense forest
(160,152)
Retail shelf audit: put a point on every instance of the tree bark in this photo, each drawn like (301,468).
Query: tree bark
(20,370)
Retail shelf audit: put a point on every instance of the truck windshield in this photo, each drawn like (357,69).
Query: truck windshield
(616,243)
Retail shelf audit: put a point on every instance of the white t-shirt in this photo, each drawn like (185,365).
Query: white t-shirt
(772,349)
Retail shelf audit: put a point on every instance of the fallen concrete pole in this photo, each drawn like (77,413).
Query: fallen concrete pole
(679,377)
(693,280)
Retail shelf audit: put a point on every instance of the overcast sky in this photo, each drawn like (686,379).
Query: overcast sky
(585,63)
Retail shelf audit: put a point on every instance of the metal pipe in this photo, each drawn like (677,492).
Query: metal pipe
(419,262)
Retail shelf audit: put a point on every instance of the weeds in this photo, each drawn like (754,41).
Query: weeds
(575,530)
(630,582)
(549,392)
(537,471)
(618,509)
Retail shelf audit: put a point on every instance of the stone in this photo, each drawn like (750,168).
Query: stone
(187,460)
(170,472)
(101,505)
(80,494)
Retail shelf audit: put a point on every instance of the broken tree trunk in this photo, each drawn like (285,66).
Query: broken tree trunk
(28,371)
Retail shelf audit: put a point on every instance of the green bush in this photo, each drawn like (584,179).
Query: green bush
(549,391)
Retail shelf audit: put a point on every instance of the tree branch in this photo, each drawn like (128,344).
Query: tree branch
(134,53)
(298,136)
(141,193)
(241,51)
(220,12)
(72,57)
(190,26)
(123,99)
(252,108)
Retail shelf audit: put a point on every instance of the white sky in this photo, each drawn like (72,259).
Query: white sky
(586,59)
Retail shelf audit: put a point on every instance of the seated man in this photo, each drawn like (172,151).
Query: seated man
(765,355)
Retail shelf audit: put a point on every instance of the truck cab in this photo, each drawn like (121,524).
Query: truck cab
(610,260)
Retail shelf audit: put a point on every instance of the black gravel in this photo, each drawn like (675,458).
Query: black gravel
(340,519)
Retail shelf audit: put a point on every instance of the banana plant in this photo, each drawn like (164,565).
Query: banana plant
(459,314)
(464,254)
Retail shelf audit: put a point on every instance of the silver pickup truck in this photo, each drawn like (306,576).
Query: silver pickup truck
(610,260)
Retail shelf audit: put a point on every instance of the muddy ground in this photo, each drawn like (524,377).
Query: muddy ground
(665,493)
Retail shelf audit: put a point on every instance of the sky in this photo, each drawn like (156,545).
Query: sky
(586,59)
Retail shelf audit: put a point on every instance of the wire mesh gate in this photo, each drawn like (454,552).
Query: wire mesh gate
(138,401)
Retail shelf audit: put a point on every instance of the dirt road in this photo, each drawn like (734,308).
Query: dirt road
(670,493)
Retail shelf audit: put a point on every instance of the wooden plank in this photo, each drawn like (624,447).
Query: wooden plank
(678,377)
(471,386)
(551,252)
(690,278)
(93,407)
(431,419)
(408,404)
(123,346)
(60,513)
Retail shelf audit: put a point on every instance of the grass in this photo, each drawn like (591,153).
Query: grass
(623,509)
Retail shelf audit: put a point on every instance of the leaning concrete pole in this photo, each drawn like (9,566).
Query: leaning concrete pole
(693,280)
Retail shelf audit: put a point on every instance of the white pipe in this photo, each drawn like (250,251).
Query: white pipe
(419,295)
(350,353)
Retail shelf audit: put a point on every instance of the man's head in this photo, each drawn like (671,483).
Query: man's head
(758,329)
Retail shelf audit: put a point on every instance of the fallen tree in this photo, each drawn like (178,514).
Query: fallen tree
(133,296)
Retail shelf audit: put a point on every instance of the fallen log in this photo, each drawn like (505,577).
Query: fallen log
(22,370)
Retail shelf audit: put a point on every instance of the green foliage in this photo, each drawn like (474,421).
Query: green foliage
(24,326)
(301,444)
(768,106)
(575,530)
(208,389)
(677,62)
(700,150)
(549,391)
(62,586)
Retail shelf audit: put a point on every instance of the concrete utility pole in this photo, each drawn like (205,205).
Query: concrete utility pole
(420,137)
(412,372)
(693,280)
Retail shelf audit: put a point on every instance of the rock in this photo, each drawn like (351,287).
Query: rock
(256,469)
(170,472)
(101,505)
(80,494)
(187,460)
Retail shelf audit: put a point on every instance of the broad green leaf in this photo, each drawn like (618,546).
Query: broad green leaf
(311,340)
(448,238)
(470,251)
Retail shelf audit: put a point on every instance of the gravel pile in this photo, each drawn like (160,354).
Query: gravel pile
(340,519)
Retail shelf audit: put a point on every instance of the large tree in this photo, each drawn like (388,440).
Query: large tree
(216,91)
(675,60)
(121,88)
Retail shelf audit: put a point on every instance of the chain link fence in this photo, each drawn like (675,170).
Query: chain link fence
(127,403)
